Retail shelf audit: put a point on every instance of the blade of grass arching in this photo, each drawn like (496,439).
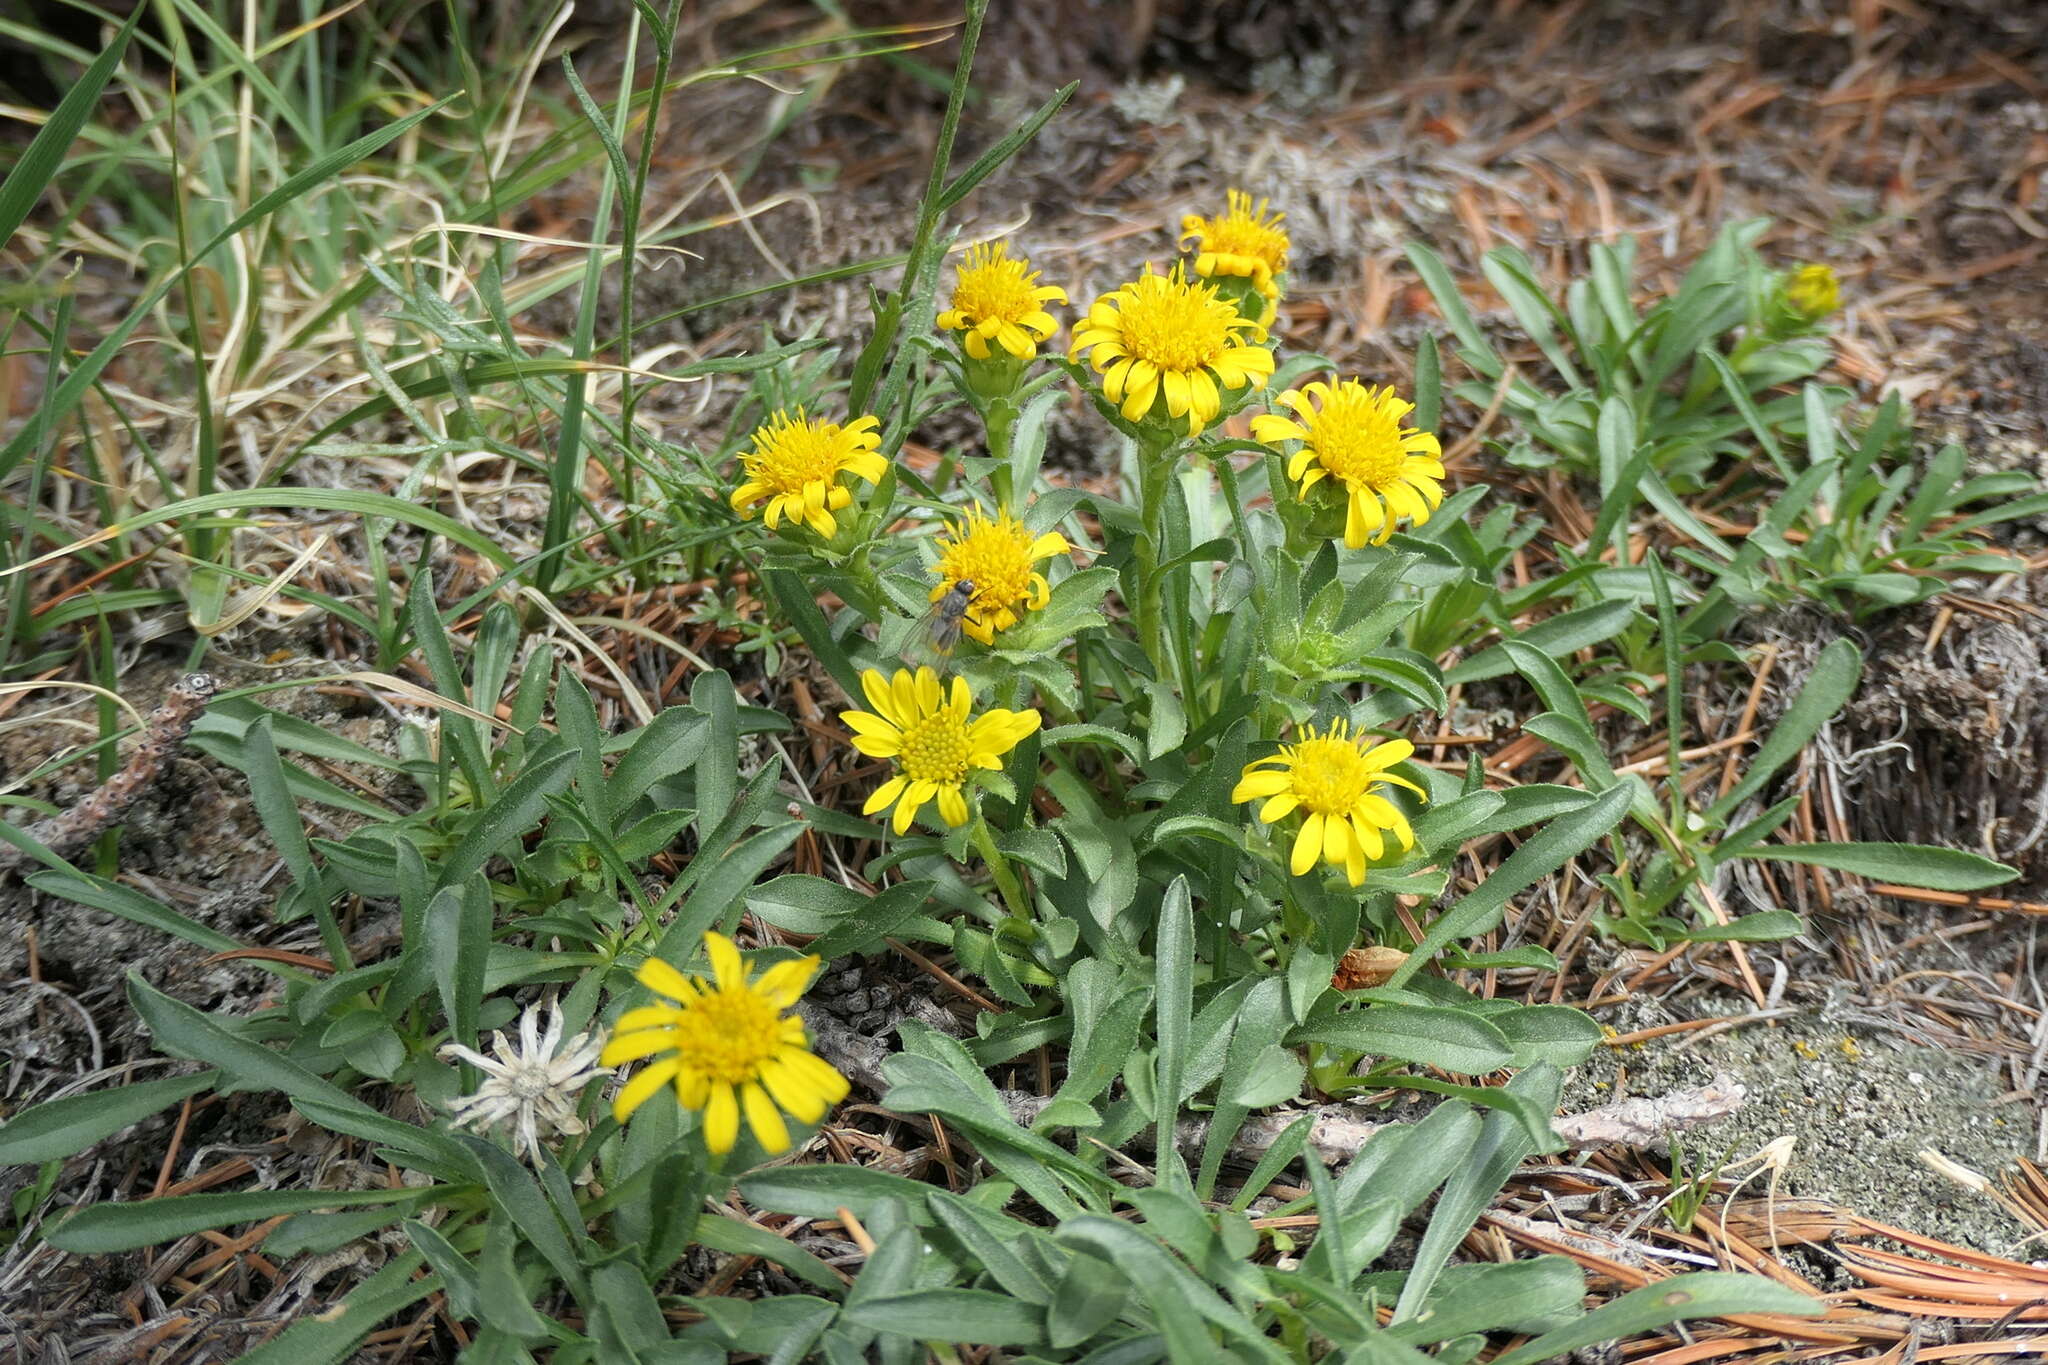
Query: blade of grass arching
(629,225)
(922,72)
(107,673)
(88,370)
(867,369)
(1674,685)
(356,500)
(38,165)
(565,480)
(13,629)
(205,439)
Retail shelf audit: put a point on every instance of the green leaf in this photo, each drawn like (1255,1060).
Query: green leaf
(38,165)
(330,1336)
(516,812)
(1565,633)
(735,1238)
(101,1228)
(1827,690)
(98,893)
(1519,1296)
(977,1316)
(1924,865)
(1540,855)
(1447,1038)
(458,934)
(1558,1034)
(66,1127)
(1709,1294)
(878,917)
(1765,926)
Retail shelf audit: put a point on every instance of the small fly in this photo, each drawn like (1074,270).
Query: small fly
(942,624)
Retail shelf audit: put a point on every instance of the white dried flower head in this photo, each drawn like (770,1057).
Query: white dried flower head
(531,1088)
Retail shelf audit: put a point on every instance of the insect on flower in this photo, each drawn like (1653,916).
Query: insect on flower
(941,624)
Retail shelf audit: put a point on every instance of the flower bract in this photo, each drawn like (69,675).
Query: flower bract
(934,738)
(795,465)
(1247,240)
(1331,777)
(727,1047)
(997,555)
(1164,340)
(998,298)
(530,1088)
(1354,435)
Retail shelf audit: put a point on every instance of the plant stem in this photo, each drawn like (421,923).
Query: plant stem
(1006,878)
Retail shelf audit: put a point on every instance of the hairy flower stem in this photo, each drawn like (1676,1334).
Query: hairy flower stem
(999,421)
(999,866)
(1156,459)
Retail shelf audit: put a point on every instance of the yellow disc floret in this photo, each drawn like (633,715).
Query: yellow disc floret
(795,466)
(1246,241)
(998,557)
(1162,339)
(728,1048)
(936,741)
(1330,776)
(999,299)
(1354,435)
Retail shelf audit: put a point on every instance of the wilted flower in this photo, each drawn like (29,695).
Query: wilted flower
(1331,776)
(795,466)
(1164,342)
(531,1088)
(727,1047)
(1354,434)
(935,744)
(997,556)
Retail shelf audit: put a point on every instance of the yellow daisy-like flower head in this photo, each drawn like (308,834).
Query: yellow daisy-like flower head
(1247,241)
(1812,292)
(1354,435)
(795,466)
(1164,341)
(997,556)
(935,739)
(999,299)
(728,1048)
(1330,776)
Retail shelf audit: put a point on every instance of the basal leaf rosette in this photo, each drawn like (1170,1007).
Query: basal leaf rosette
(1334,778)
(727,1047)
(999,556)
(1353,436)
(933,738)
(1171,351)
(794,472)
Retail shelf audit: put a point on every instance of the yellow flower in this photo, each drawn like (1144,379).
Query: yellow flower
(1813,292)
(728,1048)
(935,745)
(1161,339)
(1331,776)
(1354,434)
(795,466)
(996,557)
(1247,241)
(999,299)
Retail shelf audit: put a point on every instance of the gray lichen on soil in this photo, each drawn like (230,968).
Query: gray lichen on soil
(1860,1103)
